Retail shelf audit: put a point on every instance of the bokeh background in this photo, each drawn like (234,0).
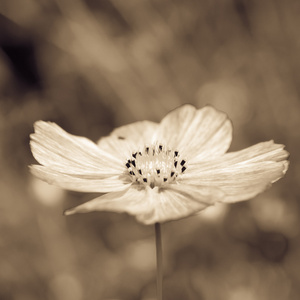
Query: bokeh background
(93,65)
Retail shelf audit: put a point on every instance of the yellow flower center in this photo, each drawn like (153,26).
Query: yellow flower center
(156,165)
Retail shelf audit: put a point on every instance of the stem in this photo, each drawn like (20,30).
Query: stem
(159,266)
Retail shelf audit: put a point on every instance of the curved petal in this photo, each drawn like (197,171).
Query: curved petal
(138,133)
(198,133)
(265,151)
(153,205)
(178,201)
(91,183)
(55,148)
(240,181)
(131,200)
(120,148)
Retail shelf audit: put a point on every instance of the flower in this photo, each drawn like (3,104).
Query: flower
(158,171)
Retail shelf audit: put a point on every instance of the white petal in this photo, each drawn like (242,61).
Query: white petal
(265,151)
(131,200)
(240,181)
(203,133)
(142,130)
(137,134)
(53,147)
(178,201)
(154,205)
(118,147)
(92,183)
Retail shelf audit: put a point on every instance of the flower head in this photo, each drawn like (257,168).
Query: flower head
(158,171)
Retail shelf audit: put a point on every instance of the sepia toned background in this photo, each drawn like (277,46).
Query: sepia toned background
(93,65)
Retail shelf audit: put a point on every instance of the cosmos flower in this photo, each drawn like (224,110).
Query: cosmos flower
(158,171)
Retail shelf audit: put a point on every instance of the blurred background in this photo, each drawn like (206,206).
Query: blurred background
(93,65)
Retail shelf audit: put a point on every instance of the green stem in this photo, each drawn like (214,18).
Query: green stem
(159,266)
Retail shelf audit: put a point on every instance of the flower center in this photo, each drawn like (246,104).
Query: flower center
(156,165)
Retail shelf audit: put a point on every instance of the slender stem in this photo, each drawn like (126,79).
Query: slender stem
(159,265)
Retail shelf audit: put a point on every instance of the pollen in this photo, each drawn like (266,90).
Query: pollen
(155,165)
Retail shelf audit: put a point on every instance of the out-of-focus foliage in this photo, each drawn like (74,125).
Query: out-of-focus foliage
(93,65)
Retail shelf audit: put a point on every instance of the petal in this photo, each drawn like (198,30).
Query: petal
(92,183)
(137,134)
(240,181)
(131,200)
(178,201)
(53,147)
(138,131)
(120,148)
(265,151)
(200,133)
(153,205)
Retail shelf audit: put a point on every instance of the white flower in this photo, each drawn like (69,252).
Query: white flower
(158,171)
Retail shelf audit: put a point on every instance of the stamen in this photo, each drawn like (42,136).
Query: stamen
(155,165)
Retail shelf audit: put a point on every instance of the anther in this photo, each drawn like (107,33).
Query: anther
(155,165)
